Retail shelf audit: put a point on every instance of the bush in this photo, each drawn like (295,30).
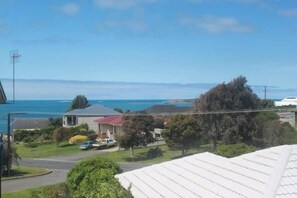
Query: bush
(95,178)
(92,136)
(101,183)
(77,139)
(87,167)
(61,134)
(56,191)
(233,150)
(31,144)
(154,152)
(28,139)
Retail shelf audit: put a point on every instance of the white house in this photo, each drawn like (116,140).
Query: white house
(266,173)
(87,116)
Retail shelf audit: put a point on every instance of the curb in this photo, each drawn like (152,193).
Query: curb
(24,177)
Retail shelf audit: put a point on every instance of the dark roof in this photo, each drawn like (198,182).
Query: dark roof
(167,109)
(94,110)
(31,123)
(2,94)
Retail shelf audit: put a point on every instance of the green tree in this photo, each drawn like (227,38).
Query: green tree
(137,132)
(263,120)
(218,101)
(56,122)
(265,104)
(79,102)
(159,123)
(182,132)
(276,133)
(61,134)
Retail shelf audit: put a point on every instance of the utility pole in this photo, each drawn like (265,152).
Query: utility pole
(8,157)
(265,91)
(14,58)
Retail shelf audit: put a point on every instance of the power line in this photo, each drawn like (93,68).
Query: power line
(164,114)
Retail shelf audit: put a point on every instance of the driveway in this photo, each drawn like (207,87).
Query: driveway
(60,166)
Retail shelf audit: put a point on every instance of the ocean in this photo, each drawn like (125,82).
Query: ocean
(56,108)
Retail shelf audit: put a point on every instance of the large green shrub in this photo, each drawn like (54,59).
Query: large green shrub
(82,169)
(233,150)
(95,178)
(154,152)
(101,183)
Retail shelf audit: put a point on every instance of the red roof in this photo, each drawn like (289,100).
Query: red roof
(112,120)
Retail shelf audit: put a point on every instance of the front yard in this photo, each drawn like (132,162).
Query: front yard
(46,150)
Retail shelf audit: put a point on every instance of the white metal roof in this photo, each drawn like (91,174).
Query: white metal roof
(266,173)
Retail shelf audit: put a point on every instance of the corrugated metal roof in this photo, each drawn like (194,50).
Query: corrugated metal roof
(266,173)
(112,120)
(94,110)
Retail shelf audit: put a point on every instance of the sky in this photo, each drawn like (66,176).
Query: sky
(180,43)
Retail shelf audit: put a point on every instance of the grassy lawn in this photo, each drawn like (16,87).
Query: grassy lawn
(34,192)
(17,194)
(24,171)
(46,149)
(118,156)
(141,154)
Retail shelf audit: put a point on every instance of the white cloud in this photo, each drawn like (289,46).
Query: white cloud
(215,25)
(288,12)
(121,4)
(69,9)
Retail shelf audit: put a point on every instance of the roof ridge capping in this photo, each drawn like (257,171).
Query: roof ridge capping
(278,172)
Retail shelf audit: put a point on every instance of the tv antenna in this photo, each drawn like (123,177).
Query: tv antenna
(14,58)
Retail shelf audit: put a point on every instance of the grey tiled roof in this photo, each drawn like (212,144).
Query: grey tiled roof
(94,110)
(31,123)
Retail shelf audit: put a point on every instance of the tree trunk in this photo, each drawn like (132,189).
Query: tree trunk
(132,153)
(213,143)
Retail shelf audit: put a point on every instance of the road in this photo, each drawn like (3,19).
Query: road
(59,166)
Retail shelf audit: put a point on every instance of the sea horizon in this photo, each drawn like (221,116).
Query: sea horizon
(56,108)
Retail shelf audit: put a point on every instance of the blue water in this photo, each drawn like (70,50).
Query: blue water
(56,108)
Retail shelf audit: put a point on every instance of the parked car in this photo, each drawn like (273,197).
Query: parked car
(105,143)
(86,145)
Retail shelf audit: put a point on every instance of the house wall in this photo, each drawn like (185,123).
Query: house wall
(107,130)
(90,121)
(83,120)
